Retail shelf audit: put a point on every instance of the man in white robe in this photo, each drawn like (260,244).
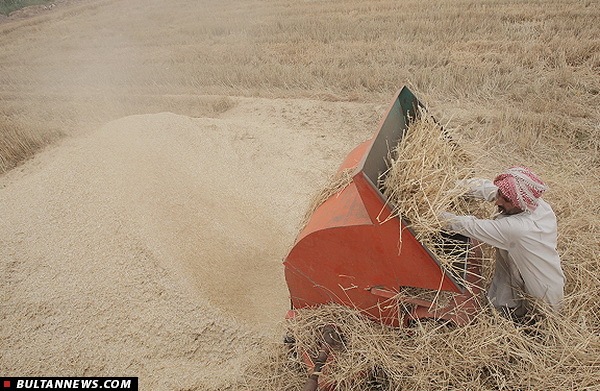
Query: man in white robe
(524,234)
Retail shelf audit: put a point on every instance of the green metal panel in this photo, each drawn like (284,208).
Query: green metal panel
(391,131)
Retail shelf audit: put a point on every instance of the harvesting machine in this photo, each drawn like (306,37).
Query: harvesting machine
(355,252)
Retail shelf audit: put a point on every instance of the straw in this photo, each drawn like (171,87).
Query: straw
(426,169)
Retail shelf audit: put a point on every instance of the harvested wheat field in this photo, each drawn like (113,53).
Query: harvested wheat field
(157,160)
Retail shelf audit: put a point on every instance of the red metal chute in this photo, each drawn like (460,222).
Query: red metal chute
(352,252)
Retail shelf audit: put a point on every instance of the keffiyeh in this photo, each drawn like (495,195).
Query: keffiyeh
(521,186)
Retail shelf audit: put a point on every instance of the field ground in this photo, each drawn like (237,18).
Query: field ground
(157,157)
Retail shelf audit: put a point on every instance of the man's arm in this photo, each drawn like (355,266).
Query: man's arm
(494,232)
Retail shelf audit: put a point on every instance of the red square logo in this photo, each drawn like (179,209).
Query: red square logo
(6,383)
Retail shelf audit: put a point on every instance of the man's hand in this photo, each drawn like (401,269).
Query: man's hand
(479,188)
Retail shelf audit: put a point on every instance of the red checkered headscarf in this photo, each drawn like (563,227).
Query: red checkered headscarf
(521,186)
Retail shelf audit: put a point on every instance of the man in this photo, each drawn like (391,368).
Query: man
(524,234)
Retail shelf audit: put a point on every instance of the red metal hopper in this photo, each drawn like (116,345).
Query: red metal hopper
(350,251)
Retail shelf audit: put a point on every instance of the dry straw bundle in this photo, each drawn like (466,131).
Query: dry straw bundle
(491,353)
(424,180)
(424,174)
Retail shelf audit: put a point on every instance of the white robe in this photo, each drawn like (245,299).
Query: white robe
(526,256)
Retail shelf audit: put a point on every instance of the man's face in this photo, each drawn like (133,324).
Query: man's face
(504,205)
